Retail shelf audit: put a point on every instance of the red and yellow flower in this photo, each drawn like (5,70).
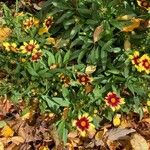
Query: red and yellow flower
(29,48)
(84,79)
(135,59)
(114,101)
(30,22)
(144,3)
(144,64)
(48,22)
(46,25)
(83,124)
(36,56)
(10,46)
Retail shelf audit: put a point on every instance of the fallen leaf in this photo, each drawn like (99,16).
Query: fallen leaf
(90,69)
(97,32)
(138,142)
(99,138)
(116,120)
(43,148)
(134,25)
(4,33)
(17,140)
(1,146)
(117,133)
(7,131)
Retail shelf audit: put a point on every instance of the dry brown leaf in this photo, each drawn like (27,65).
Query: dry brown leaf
(17,140)
(88,88)
(138,142)
(99,138)
(4,33)
(97,33)
(117,133)
(135,24)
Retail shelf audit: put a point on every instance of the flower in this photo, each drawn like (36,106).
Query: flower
(135,58)
(84,79)
(30,22)
(48,22)
(144,64)
(144,3)
(46,25)
(65,79)
(10,46)
(114,101)
(36,56)
(30,47)
(83,124)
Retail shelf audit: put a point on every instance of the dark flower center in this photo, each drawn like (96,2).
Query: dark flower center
(83,123)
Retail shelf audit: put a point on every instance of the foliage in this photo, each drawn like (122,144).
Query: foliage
(71,55)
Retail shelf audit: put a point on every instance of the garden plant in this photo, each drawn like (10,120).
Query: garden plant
(75,72)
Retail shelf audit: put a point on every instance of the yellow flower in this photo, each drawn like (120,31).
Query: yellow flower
(7,131)
(135,59)
(10,46)
(144,64)
(116,120)
(30,22)
(84,125)
(144,3)
(30,47)
(148,103)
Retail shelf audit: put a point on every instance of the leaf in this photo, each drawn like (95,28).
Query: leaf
(5,32)
(1,146)
(99,138)
(97,33)
(7,131)
(17,140)
(135,24)
(117,133)
(138,142)
(2,124)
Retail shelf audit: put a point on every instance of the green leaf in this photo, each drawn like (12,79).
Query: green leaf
(31,70)
(61,101)
(67,57)
(51,58)
(74,31)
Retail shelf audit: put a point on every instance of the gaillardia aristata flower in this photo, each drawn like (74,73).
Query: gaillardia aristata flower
(48,22)
(135,58)
(10,46)
(83,124)
(30,22)
(144,3)
(144,64)
(30,47)
(114,101)
(36,56)
(83,78)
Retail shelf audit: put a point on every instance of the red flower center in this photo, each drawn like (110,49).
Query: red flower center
(112,99)
(82,123)
(83,79)
(146,64)
(136,60)
(36,56)
(48,22)
(145,4)
(30,47)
